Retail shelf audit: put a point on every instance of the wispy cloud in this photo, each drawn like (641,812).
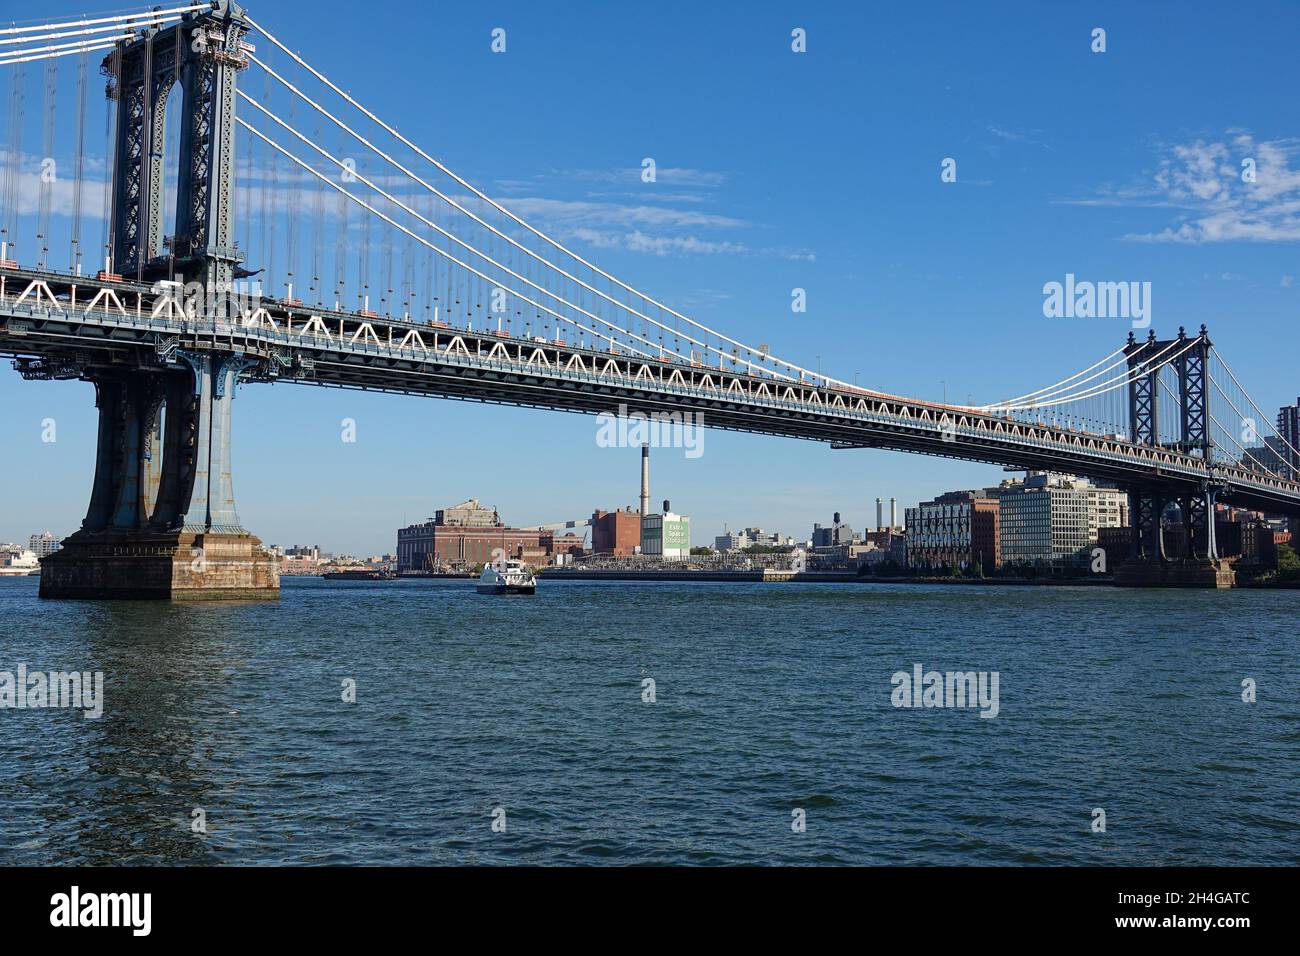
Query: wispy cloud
(565,211)
(32,182)
(672,216)
(677,176)
(1204,180)
(637,240)
(1009,136)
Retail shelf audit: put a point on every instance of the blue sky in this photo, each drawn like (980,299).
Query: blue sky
(779,170)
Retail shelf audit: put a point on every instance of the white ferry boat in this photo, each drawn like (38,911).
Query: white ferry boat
(512,577)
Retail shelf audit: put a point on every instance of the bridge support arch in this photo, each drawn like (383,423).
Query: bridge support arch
(161,522)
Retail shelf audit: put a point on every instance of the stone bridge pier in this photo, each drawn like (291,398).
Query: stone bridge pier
(161,521)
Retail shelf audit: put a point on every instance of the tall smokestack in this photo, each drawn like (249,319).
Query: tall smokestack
(645,479)
(880,515)
(893,513)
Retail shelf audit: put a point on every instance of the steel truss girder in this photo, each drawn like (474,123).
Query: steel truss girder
(474,376)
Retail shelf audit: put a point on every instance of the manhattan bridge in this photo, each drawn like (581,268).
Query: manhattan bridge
(397,274)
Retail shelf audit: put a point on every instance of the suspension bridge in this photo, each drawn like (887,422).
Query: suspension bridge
(290,260)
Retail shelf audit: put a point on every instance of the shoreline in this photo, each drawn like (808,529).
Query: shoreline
(807,577)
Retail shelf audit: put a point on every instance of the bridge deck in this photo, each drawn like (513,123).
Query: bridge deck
(58,325)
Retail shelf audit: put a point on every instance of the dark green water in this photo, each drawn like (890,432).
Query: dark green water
(770,699)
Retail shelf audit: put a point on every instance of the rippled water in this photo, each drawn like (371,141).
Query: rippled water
(770,698)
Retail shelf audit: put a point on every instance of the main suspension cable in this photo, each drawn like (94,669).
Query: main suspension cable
(443,232)
(468,268)
(532,229)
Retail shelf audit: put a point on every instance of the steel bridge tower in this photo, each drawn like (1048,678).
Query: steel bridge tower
(1198,560)
(162,519)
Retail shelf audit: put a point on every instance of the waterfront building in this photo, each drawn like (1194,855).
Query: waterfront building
(1288,429)
(731,541)
(666,535)
(748,538)
(884,546)
(43,544)
(837,535)
(757,536)
(1057,520)
(1272,455)
(957,529)
(839,557)
(467,514)
(15,560)
(465,535)
(616,533)
(1107,508)
(566,546)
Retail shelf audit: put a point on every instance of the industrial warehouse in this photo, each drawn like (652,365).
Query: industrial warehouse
(468,534)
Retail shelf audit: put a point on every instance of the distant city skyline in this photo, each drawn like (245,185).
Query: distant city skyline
(777,171)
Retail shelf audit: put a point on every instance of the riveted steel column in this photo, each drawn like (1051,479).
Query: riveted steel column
(222,516)
(179,451)
(103,494)
(195,512)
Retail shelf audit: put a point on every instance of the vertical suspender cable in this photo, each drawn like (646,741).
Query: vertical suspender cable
(113,93)
(341,245)
(363,265)
(291,227)
(78,168)
(317,218)
(49,168)
(14,162)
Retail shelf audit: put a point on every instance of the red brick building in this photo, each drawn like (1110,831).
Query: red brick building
(422,546)
(568,543)
(616,532)
(960,528)
(465,535)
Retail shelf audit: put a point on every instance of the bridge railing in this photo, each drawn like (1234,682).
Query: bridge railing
(1042,437)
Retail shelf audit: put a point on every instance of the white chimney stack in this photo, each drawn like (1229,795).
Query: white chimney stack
(880,515)
(893,513)
(645,479)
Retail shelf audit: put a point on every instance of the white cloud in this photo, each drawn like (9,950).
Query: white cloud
(666,217)
(671,175)
(1204,181)
(563,211)
(640,241)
